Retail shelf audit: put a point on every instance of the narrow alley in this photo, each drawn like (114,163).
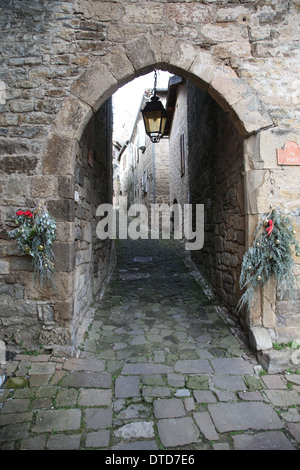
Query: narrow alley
(161,368)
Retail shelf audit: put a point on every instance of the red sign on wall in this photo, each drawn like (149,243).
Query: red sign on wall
(289,154)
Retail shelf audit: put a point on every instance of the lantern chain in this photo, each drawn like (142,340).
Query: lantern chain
(155,82)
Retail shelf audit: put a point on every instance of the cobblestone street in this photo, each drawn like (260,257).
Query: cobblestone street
(161,368)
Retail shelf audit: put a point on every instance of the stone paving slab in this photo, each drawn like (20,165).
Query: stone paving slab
(97,439)
(242,416)
(95,397)
(283,397)
(169,408)
(82,379)
(229,382)
(94,365)
(136,445)
(127,386)
(235,366)
(138,429)
(42,368)
(62,441)
(100,418)
(177,431)
(273,440)
(143,369)
(193,366)
(206,426)
(57,420)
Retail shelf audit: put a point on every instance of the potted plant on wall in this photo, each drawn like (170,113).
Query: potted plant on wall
(271,255)
(35,234)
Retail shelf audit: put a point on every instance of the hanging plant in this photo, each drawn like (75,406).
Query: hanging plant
(271,255)
(34,235)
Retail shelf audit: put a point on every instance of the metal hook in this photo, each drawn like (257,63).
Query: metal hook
(155,81)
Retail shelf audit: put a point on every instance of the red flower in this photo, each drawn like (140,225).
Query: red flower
(28,214)
(20,213)
(270,227)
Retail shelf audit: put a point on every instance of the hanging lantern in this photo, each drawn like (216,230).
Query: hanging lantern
(155,116)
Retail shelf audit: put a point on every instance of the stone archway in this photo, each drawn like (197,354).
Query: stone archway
(104,75)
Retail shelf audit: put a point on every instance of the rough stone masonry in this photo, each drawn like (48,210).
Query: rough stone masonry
(61,61)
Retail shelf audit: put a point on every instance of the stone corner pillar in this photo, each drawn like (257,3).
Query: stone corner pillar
(2,353)
(259,338)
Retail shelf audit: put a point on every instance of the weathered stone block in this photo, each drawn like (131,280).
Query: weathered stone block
(22,264)
(43,186)
(273,440)
(65,231)
(58,420)
(14,147)
(187,13)
(4,267)
(183,57)
(75,112)
(64,254)
(276,361)
(241,416)
(162,47)
(250,115)
(2,352)
(21,106)
(66,187)
(103,11)
(205,68)
(2,92)
(168,408)
(227,89)
(259,338)
(140,54)
(254,181)
(94,87)
(127,387)
(119,65)
(62,209)
(60,155)
(268,303)
(219,33)
(137,430)
(143,13)
(177,431)
(19,164)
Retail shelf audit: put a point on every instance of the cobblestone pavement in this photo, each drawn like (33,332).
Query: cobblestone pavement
(161,368)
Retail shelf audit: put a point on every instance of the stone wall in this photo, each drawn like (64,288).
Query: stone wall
(271,185)
(93,186)
(216,180)
(179,171)
(61,60)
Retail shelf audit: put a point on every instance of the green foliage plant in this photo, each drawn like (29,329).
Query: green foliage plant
(35,234)
(271,255)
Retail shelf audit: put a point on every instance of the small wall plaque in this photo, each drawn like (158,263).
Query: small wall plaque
(289,154)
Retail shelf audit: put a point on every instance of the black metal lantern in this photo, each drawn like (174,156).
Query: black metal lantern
(155,116)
